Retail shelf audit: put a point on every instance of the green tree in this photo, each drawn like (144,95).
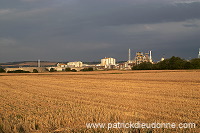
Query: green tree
(163,64)
(87,69)
(67,69)
(173,63)
(2,70)
(195,63)
(143,66)
(187,65)
(176,63)
(74,70)
(90,69)
(168,64)
(35,71)
(52,70)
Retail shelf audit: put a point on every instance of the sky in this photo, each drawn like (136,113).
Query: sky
(88,30)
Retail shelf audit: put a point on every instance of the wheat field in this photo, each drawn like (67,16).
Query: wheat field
(66,101)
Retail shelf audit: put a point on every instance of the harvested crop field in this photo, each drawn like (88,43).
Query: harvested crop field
(66,101)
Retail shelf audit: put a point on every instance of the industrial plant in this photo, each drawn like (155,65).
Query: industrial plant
(105,64)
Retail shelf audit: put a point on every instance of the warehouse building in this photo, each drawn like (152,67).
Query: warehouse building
(75,64)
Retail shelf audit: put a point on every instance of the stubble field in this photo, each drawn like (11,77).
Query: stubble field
(65,102)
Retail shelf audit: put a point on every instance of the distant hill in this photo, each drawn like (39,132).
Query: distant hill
(91,63)
(27,64)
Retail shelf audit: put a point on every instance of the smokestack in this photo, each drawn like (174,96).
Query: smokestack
(129,55)
(199,53)
(39,63)
(150,57)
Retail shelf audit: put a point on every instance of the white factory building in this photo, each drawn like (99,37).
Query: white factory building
(75,64)
(108,62)
(61,65)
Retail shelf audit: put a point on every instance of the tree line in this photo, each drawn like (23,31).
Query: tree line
(172,63)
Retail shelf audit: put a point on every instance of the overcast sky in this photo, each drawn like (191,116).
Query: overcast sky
(88,30)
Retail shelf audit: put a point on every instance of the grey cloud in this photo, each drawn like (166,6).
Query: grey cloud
(186,1)
(91,29)
(7,42)
(191,25)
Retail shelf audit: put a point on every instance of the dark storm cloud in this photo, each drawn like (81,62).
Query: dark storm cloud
(148,12)
(91,29)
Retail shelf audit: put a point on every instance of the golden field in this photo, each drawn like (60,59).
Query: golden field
(66,101)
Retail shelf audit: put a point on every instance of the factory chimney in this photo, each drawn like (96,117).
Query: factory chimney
(129,55)
(199,53)
(150,56)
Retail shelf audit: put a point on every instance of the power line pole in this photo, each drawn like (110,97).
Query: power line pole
(39,63)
